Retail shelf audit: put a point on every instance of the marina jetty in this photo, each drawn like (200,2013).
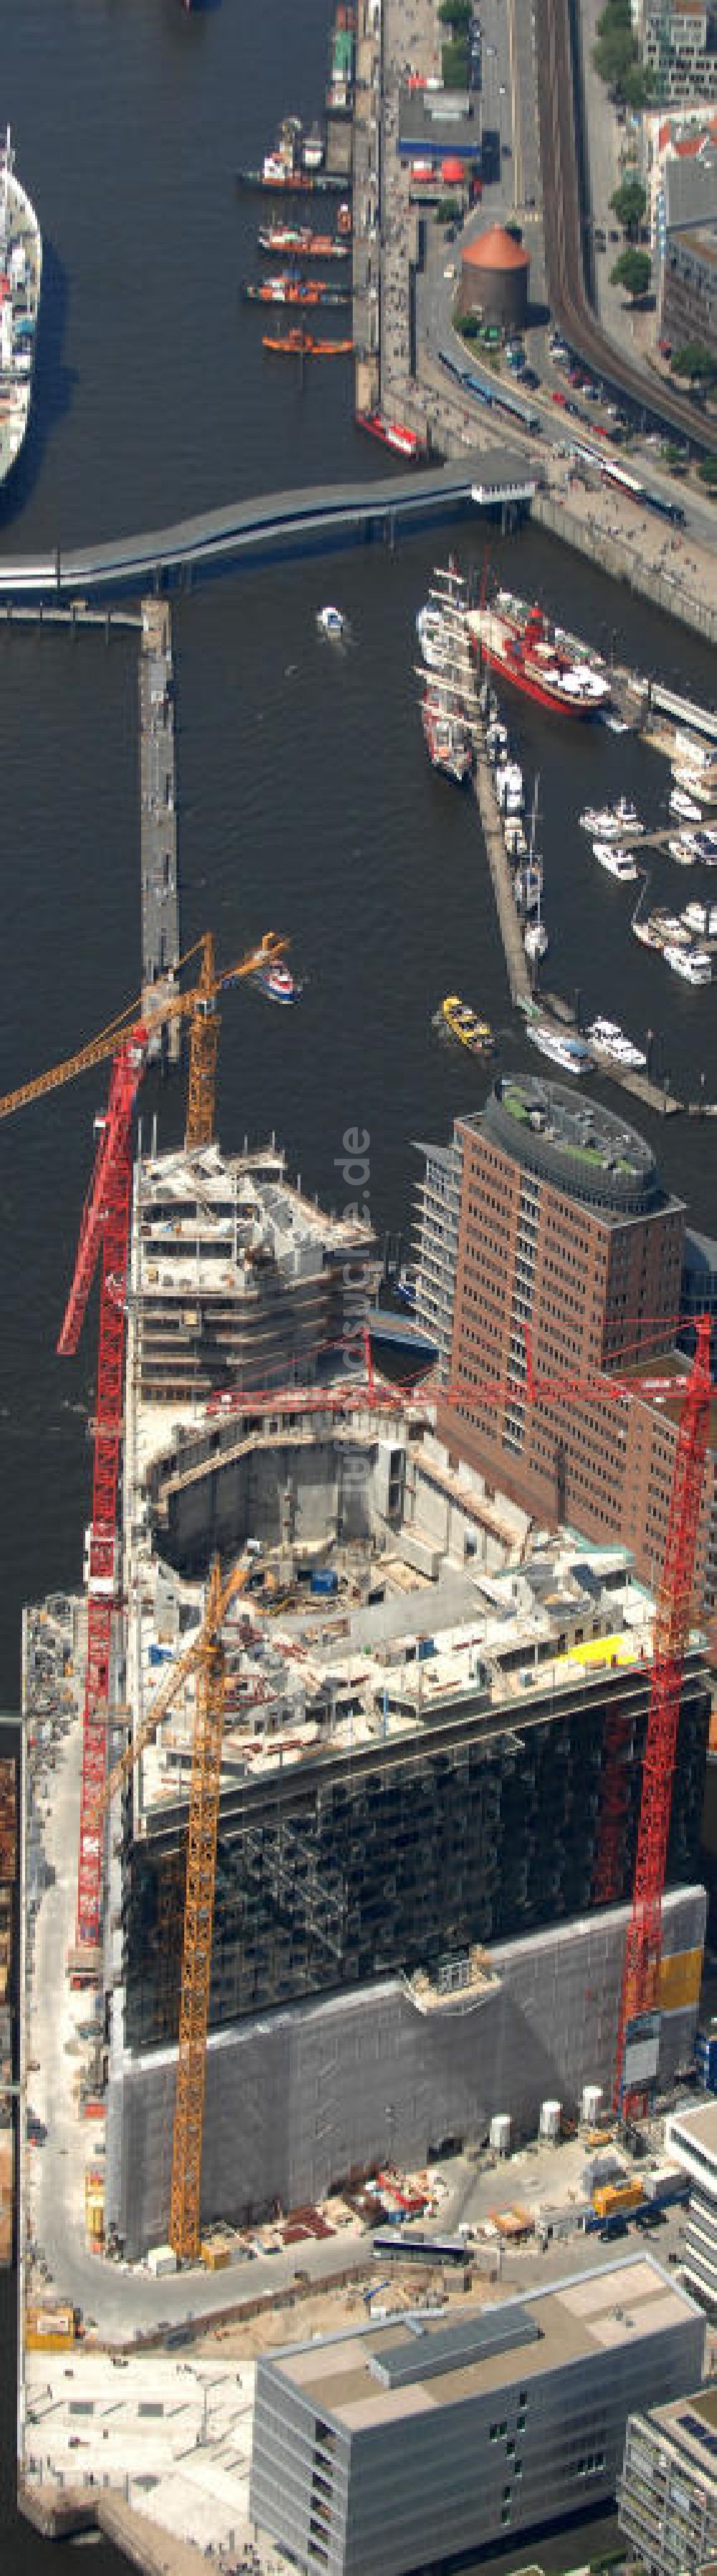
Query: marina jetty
(501,871)
(158,793)
(465,738)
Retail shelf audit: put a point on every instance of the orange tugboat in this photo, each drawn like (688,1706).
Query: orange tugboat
(286,289)
(297,242)
(299,344)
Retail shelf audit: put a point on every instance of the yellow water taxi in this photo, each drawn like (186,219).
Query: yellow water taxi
(464,1024)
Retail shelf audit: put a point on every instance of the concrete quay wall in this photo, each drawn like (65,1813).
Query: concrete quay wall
(298,2099)
(615,556)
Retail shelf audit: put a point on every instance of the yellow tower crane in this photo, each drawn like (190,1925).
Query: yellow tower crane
(196,1003)
(205,1657)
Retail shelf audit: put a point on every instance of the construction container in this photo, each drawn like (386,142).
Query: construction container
(550,2119)
(50,2329)
(95,2210)
(324,1579)
(161,2259)
(617,2199)
(215,2254)
(664,2184)
(591,2104)
(500,2133)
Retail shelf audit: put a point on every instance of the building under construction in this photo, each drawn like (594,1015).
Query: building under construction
(431,1760)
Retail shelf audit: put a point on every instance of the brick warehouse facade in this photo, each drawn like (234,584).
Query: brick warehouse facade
(564,1228)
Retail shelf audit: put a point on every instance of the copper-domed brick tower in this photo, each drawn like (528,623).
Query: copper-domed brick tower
(495,271)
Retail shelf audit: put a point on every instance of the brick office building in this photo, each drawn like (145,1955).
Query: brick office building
(564,1228)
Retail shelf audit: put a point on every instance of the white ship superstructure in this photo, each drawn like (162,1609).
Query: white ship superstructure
(448,683)
(20,278)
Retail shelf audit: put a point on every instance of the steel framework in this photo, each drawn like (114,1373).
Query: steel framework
(613,1810)
(203,1045)
(105,1223)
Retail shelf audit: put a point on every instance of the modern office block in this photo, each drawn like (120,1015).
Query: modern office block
(404,2444)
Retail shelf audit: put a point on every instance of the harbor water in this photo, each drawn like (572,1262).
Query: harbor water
(306,802)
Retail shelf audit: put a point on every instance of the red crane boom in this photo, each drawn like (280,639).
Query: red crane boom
(105,1228)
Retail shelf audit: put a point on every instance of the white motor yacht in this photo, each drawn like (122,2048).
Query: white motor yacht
(693,964)
(618,862)
(684,849)
(684,806)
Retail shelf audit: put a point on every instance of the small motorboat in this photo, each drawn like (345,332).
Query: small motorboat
(684,806)
(619,863)
(331,622)
(277,984)
(460,1022)
(535,939)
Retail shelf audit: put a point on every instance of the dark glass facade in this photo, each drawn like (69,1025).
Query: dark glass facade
(395,1858)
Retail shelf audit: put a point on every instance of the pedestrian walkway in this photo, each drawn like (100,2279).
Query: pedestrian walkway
(160,900)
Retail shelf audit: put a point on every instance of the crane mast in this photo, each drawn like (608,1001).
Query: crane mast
(643,1941)
(105,1227)
(103,1240)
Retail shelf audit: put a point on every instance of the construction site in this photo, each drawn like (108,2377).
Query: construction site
(362,1815)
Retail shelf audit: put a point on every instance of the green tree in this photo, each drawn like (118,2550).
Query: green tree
(455,13)
(454,66)
(695,362)
(674,457)
(613,56)
(616,55)
(632,270)
(707,471)
(629,203)
(636,85)
(468,327)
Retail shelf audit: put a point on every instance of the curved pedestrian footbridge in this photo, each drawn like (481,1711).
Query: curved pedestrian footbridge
(277,523)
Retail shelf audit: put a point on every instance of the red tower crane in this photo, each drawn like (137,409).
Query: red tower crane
(104,1232)
(643,1943)
(105,1227)
(637,2032)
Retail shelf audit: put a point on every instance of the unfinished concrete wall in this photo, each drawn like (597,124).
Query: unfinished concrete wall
(328,1485)
(298,2099)
(473,1526)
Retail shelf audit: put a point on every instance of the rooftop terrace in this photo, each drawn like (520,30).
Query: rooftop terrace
(575,1144)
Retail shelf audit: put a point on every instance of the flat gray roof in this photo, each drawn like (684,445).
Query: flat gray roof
(699,2126)
(356,2378)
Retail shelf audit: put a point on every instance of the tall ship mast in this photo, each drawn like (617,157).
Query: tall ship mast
(447,676)
(20,278)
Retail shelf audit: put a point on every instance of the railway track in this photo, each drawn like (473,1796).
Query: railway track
(562,219)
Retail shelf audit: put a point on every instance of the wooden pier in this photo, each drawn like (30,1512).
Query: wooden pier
(501,869)
(158,790)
